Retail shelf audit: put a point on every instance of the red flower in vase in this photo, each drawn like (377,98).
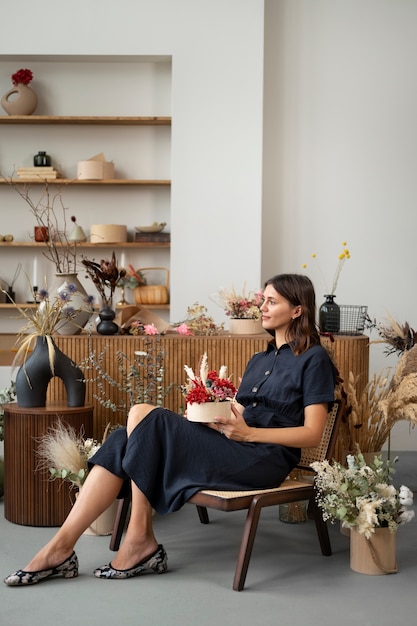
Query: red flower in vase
(22,76)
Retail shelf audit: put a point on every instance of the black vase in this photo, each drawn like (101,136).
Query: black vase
(106,326)
(329,315)
(35,374)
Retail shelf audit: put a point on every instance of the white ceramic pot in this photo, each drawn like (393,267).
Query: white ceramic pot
(245,327)
(78,301)
(207,411)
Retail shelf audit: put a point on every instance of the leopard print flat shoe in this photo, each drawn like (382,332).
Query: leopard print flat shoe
(66,569)
(156,562)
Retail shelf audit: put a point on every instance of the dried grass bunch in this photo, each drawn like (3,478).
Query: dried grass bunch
(65,453)
(400,402)
(398,337)
(371,415)
(364,427)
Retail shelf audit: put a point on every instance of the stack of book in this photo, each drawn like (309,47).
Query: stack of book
(36,173)
(152,237)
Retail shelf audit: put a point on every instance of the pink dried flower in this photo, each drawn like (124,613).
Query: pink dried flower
(240,306)
(150,329)
(183,329)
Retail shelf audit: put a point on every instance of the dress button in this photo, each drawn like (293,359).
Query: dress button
(254,389)
(267,373)
(254,404)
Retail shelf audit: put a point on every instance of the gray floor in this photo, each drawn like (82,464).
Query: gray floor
(289,582)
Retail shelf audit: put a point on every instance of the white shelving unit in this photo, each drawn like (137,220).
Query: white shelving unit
(139,194)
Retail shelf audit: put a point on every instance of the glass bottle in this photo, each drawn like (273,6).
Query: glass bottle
(329,315)
(41,159)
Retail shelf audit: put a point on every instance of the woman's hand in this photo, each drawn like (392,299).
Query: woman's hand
(234,428)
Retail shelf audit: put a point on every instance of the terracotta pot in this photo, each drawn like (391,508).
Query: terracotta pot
(20,100)
(41,233)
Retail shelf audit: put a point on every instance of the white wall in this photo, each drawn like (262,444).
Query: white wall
(341,152)
(217,52)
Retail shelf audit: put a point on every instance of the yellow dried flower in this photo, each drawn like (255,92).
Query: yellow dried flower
(342,257)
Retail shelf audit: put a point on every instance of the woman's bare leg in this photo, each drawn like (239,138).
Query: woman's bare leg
(139,541)
(98,492)
(137,413)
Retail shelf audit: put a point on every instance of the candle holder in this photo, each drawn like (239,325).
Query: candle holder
(34,293)
(122,300)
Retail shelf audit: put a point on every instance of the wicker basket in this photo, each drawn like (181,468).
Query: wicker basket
(153,294)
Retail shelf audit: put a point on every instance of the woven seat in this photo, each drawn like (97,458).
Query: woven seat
(254,500)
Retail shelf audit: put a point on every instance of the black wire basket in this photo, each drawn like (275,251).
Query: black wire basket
(345,319)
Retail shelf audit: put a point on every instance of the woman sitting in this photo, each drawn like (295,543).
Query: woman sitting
(282,405)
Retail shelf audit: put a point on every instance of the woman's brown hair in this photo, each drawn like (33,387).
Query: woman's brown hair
(299,291)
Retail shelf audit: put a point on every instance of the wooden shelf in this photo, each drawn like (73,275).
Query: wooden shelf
(75,181)
(86,120)
(32,305)
(87,244)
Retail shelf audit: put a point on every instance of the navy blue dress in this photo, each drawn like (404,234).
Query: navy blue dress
(170,459)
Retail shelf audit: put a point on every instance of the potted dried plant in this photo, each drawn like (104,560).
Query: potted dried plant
(242,308)
(105,276)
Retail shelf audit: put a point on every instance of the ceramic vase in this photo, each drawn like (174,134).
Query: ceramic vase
(329,315)
(20,100)
(78,301)
(375,556)
(245,327)
(106,326)
(34,376)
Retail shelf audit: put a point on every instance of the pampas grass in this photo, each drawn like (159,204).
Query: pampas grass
(61,448)
(365,427)
(371,416)
(65,453)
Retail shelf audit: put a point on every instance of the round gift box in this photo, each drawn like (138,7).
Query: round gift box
(108,233)
(207,411)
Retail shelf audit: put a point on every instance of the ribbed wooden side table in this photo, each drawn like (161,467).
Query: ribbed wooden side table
(30,498)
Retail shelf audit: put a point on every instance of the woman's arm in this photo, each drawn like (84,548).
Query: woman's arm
(306,436)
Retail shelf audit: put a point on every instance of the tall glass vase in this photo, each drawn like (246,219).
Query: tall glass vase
(329,315)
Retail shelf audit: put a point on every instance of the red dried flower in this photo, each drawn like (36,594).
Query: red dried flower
(210,386)
(22,76)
